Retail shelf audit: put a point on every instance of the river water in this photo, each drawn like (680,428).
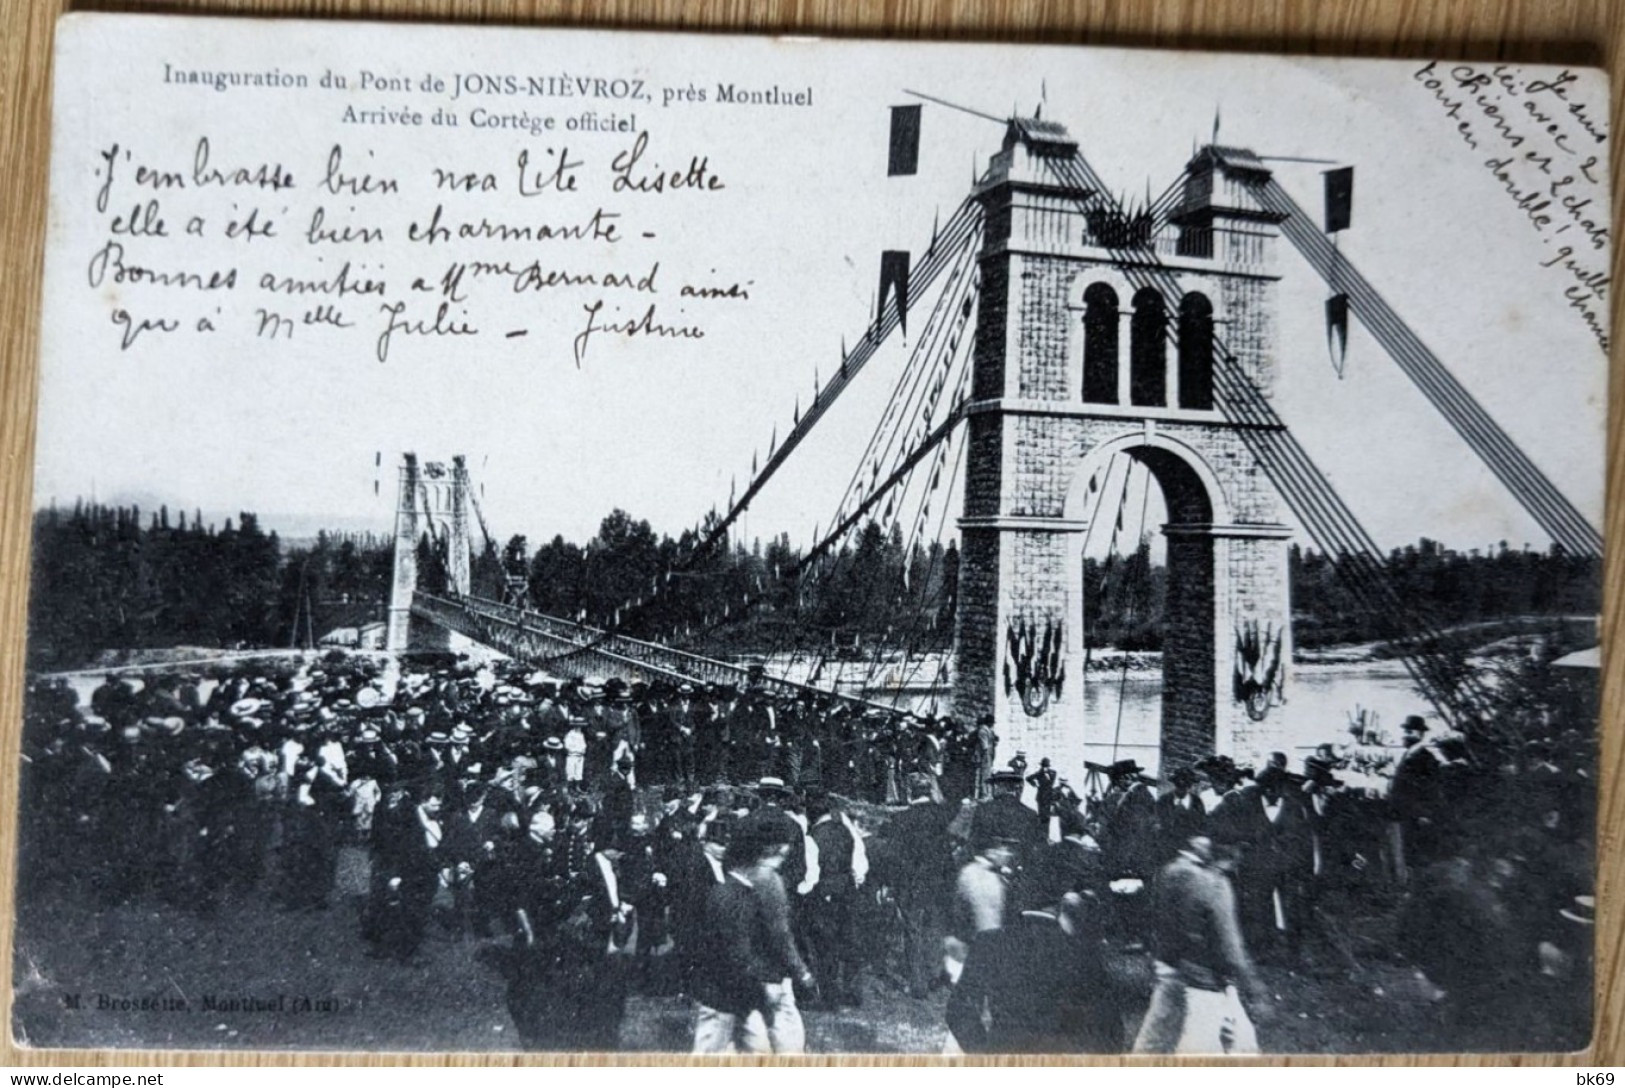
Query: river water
(1122,710)
(1122,717)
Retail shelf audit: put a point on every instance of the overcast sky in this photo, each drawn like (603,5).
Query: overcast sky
(230,422)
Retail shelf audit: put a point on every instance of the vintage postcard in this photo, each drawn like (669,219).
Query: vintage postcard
(587,541)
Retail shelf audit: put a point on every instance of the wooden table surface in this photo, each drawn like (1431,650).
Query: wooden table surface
(1551,31)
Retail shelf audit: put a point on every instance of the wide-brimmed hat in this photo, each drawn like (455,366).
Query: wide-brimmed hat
(1221,769)
(165,727)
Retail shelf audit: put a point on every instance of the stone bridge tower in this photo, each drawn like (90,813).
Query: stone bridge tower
(432,499)
(1078,361)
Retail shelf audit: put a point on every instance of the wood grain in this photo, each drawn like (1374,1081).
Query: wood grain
(1553,31)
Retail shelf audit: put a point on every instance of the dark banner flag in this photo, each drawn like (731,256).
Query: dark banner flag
(1337,330)
(905,142)
(894,275)
(1339,198)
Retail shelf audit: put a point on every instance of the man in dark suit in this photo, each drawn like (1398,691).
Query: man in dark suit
(598,731)
(780,957)
(987,746)
(731,971)
(1321,859)
(1003,816)
(1036,986)
(714,735)
(1180,814)
(1411,797)
(915,859)
(471,833)
(620,799)
(1131,823)
(692,866)
(1269,821)
(1043,780)
(1071,865)
(776,797)
(684,719)
(832,903)
(1207,992)
(594,946)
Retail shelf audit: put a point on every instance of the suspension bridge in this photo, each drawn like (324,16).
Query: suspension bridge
(1073,350)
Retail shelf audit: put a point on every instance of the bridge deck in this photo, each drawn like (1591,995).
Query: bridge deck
(575,650)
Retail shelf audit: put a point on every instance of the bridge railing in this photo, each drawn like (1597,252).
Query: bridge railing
(583,642)
(584,636)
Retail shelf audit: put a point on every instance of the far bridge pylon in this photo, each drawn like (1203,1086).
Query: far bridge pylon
(433,499)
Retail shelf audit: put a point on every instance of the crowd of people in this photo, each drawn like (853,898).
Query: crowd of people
(759,853)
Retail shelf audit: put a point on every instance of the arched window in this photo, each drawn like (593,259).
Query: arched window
(1100,344)
(1148,351)
(1196,352)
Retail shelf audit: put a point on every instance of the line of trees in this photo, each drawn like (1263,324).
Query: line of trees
(103,578)
(1449,587)
(738,599)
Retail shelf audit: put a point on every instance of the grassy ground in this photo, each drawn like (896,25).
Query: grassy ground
(318,991)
